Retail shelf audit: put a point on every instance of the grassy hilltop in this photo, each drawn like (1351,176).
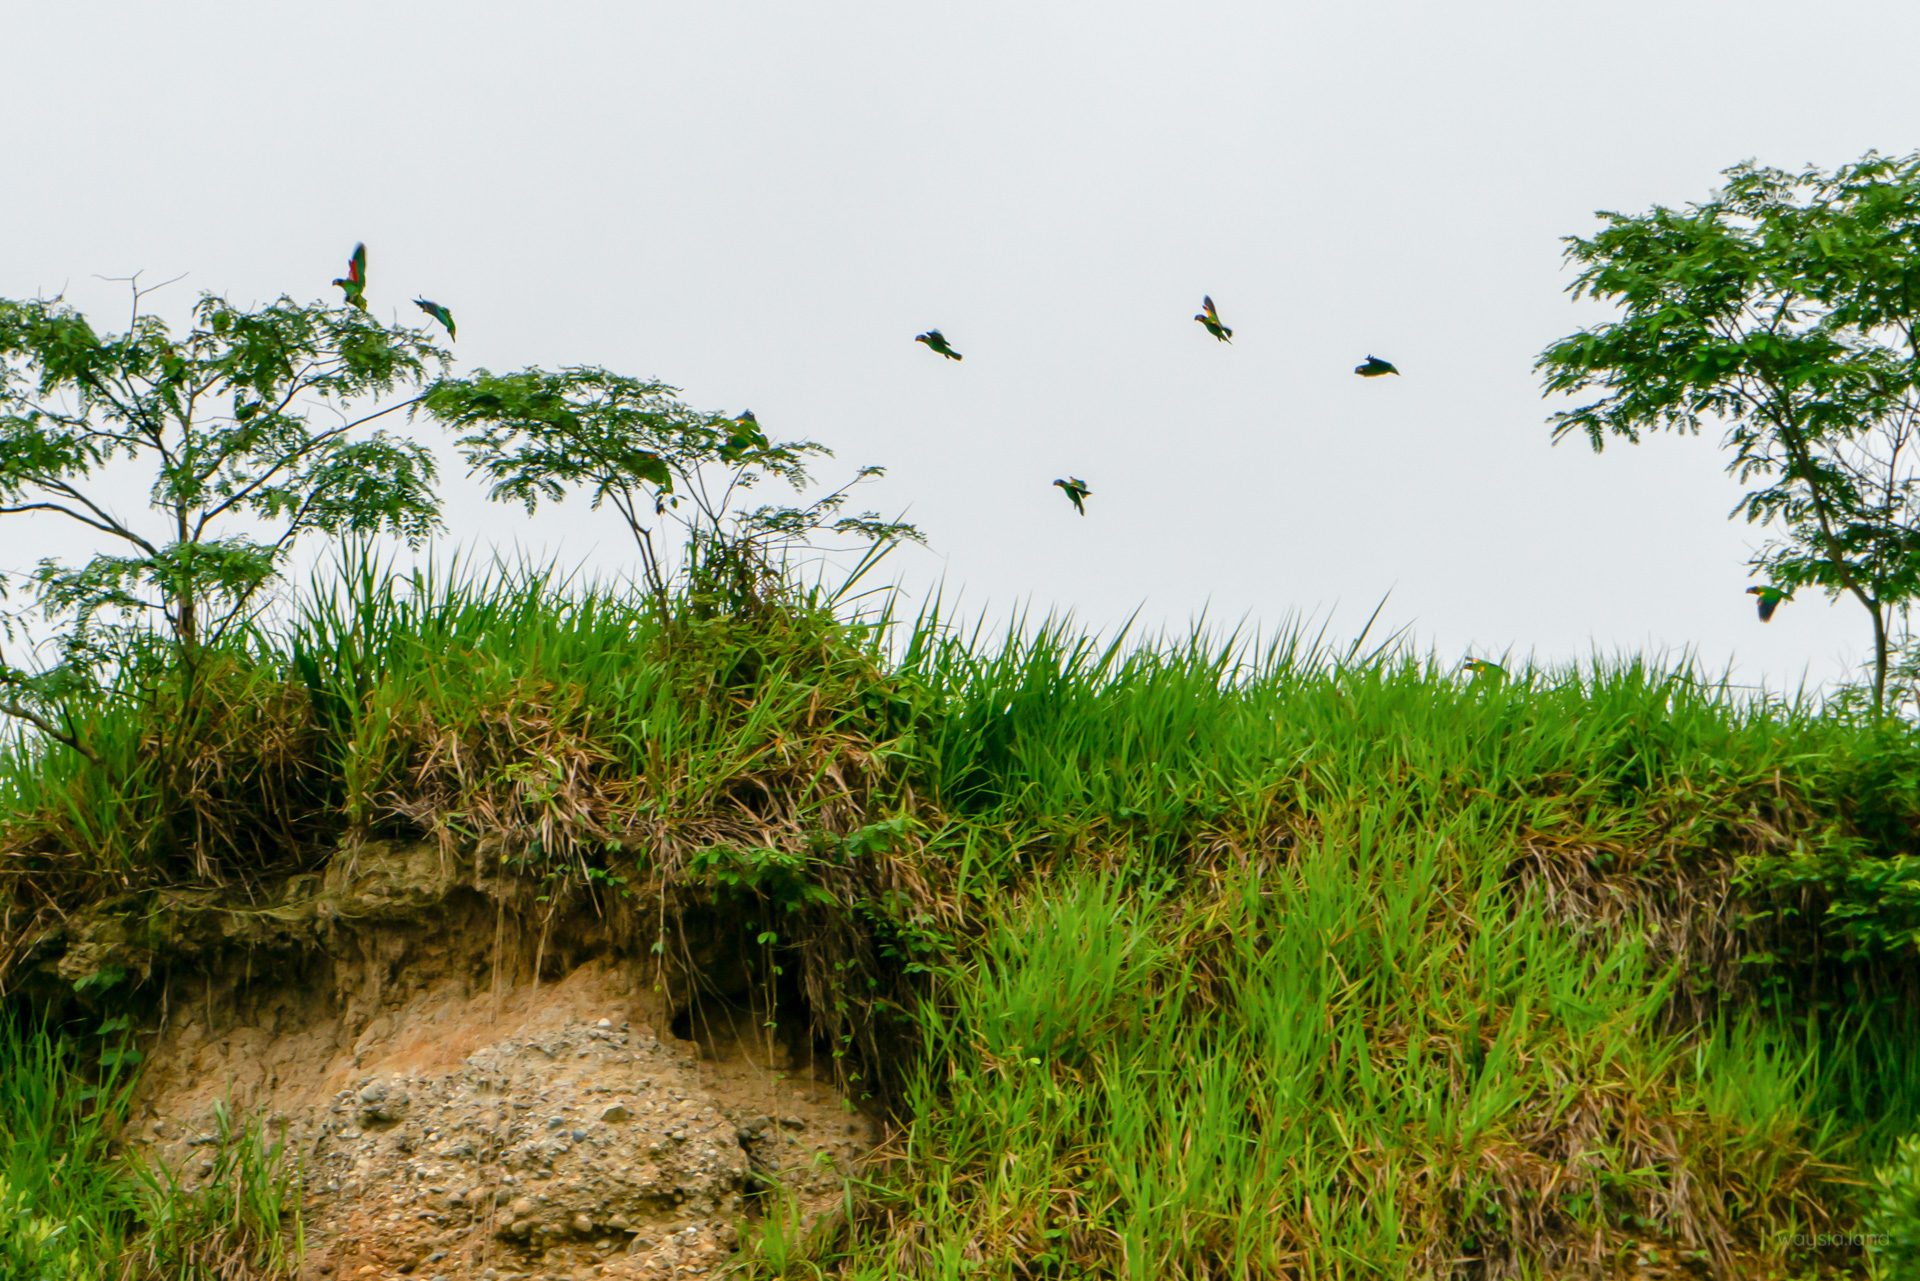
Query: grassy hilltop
(1179,959)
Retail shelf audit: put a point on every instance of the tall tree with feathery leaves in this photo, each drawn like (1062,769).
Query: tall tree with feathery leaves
(630,443)
(248,428)
(1785,312)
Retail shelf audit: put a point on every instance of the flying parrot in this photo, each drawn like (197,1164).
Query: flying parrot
(1076,491)
(438,312)
(1210,318)
(937,341)
(1770,598)
(1481,667)
(354,283)
(1374,368)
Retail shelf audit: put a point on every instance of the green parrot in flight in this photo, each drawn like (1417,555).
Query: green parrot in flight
(1076,490)
(438,312)
(1481,667)
(1374,368)
(1210,319)
(937,341)
(1770,598)
(355,281)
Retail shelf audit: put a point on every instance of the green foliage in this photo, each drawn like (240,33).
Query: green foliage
(779,876)
(1784,311)
(629,443)
(242,1221)
(1894,1220)
(1862,872)
(1166,956)
(73,1209)
(34,1248)
(65,1207)
(219,421)
(221,415)
(1266,1079)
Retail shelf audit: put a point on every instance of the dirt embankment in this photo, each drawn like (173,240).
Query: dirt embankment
(474,1092)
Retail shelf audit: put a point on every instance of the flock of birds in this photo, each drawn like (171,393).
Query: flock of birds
(1372,367)
(354,286)
(1209,317)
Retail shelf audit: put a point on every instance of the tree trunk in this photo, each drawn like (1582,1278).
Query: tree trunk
(186,613)
(1800,458)
(186,620)
(1879,659)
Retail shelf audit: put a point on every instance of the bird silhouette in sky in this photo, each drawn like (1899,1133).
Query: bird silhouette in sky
(1210,318)
(354,283)
(438,312)
(937,341)
(1374,367)
(1770,598)
(1076,491)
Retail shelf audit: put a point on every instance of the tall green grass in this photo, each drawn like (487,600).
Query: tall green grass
(64,1204)
(73,1207)
(1197,957)
(1371,1063)
(243,1219)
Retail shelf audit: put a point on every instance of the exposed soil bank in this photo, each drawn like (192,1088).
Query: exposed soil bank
(473,1091)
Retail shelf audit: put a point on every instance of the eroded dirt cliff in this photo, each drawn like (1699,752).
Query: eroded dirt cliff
(473,1092)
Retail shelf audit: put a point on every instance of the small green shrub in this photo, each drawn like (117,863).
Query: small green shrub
(73,1210)
(32,1247)
(243,1221)
(65,1206)
(1894,1220)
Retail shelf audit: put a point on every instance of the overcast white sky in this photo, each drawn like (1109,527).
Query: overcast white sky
(763,203)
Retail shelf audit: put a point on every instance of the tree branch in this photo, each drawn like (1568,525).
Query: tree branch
(105,527)
(65,737)
(259,482)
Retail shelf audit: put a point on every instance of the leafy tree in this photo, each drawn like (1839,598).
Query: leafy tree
(247,431)
(1786,311)
(632,445)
